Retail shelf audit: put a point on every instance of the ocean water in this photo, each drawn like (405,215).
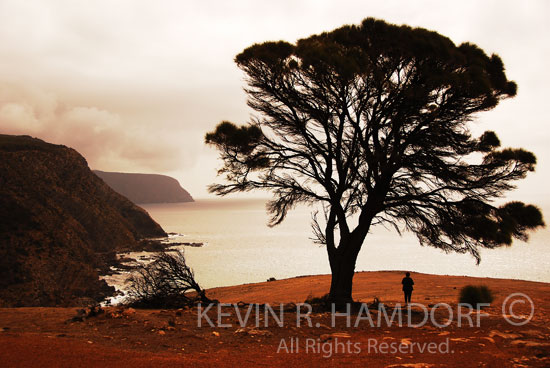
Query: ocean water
(240,248)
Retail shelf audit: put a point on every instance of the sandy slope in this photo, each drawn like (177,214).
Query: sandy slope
(41,337)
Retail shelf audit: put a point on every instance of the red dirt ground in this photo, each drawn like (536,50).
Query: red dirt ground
(42,337)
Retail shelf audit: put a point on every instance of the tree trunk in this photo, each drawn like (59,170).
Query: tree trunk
(342,260)
(342,264)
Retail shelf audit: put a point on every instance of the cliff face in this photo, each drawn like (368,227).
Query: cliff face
(146,188)
(59,223)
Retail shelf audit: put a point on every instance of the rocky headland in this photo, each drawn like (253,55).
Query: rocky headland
(60,225)
(146,188)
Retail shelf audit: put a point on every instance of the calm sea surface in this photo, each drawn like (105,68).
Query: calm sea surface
(240,248)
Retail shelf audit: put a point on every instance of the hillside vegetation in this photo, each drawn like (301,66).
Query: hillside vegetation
(59,225)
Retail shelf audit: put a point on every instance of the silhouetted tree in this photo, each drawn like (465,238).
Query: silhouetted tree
(372,120)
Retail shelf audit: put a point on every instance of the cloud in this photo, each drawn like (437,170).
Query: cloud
(104,138)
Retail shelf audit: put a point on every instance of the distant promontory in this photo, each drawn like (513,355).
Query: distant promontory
(146,188)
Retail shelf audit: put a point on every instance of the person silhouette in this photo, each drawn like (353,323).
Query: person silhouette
(407,287)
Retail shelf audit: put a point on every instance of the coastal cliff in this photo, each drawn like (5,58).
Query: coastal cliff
(59,225)
(146,188)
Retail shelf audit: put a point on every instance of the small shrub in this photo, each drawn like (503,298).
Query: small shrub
(166,282)
(318,303)
(475,295)
(271,279)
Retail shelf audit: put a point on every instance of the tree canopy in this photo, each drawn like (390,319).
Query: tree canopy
(373,120)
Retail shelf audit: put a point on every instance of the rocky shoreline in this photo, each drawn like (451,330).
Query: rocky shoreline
(121,265)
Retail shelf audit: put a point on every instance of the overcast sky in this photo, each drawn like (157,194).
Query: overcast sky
(134,85)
